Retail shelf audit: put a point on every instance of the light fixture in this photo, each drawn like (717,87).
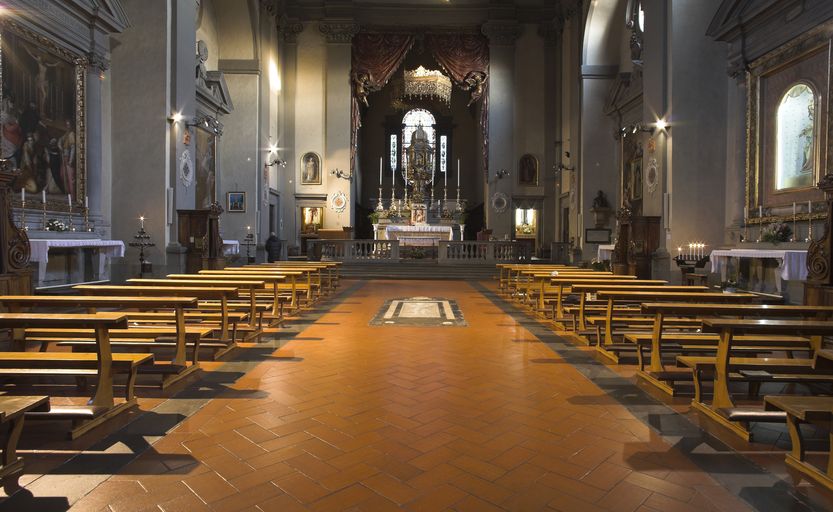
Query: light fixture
(502,174)
(338,173)
(176,117)
(207,122)
(272,158)
(661,124)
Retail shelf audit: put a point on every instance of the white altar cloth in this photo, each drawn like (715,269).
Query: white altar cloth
(792,264)
(605,252)
(231,247)
(427,231)
(39,252)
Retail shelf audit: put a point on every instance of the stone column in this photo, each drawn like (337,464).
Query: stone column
(339,35)
(551,32)
(502,36)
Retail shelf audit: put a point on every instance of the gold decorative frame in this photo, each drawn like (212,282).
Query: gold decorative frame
(81,64)
(820,38)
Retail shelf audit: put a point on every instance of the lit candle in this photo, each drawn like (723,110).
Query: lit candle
(142,222)
(380,171)
(248,228)
(679,251)
(22,195)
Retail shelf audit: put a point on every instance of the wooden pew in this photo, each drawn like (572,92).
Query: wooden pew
(251,287)
(563,287)
(12,414)
(273,280)
(331,267)
(173,371)
(817,410)
(103,364)
(656,369)
(223,294)
(294,287)
(510,272)
(722,409)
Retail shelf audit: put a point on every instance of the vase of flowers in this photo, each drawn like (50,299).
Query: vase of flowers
(776,233)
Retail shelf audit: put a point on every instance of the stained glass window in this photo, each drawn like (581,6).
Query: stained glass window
(412,120)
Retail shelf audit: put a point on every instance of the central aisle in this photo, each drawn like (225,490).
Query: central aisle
(480,417)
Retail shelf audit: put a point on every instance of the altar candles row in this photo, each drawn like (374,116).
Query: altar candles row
(445,175)
(43,198)
(694,251)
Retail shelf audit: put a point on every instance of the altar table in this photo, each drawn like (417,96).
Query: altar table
(792,264)
(105,250)
(409,233)
(605,252)
(231,247)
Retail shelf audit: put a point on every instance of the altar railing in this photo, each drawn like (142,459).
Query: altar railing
(482,253)
(369,251)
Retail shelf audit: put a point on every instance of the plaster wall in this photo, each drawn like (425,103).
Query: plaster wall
(337,136)
(501,135)
(530,117)
(207,31)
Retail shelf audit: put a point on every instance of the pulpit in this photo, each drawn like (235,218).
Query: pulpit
(15,276)
(199,234)
(637,240)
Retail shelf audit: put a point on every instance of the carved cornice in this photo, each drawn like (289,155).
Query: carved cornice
(338,32)
(501,33)
(289,29)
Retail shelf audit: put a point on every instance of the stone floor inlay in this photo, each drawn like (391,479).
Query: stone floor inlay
(420,312)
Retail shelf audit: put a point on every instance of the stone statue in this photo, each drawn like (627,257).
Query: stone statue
(600,201)
(202,57)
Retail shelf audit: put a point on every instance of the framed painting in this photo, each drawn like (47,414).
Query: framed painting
(312,218)
(310,169)
(635,174)
(236,202)
(788,127)
(205,167)
(528,171)
(43,116)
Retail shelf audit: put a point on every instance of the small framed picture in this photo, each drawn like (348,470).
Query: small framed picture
(597,236)
(236,202)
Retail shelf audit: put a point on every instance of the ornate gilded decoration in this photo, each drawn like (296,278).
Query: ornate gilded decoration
(338,32)
(819,254)
(423,83)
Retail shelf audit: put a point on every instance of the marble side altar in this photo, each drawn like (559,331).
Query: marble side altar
(65,261)
(418,235)
(764,268)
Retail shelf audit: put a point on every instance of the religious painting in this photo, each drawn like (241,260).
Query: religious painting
(205,148)
(236,202)
(310,169)
(42,115)
(635,174)
(528,171)
(788,126)
(312,218)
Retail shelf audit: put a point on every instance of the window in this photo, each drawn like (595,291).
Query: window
(412,120)
(795,140)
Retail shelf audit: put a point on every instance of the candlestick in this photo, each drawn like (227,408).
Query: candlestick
(809,222)
(380,173)
(379,207)
(458,173)
(87,226)
(22,195)
(795,233)
(23,211)
(43,212)
(71,226)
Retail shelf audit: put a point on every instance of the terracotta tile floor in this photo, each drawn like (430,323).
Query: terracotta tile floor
(376,418)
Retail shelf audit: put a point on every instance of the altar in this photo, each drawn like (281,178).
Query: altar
(765,266)
(66,261)
(418,235)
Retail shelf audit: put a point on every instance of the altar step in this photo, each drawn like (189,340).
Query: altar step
(423,270)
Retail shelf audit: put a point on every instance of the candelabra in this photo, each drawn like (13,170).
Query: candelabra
(794,237)
(71,226)
(43,213)
(23,215)
(87,227)
(143,241)
(445,212)
(379,206)
(459,208)
(249,242)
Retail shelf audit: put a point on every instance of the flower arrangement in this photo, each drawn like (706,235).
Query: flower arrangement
(526,229)
(56,225)
(776,233)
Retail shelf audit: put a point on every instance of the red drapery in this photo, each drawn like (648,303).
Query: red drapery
(377,56)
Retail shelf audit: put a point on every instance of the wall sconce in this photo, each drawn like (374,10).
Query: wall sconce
(635,128)
(207,122)
(338,173)
(176,117)
(272,158)
(661,124)
(501,174)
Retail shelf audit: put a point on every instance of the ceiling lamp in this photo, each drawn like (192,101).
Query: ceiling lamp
(423,83)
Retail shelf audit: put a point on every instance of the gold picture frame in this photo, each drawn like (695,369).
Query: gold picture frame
(767,78)
(61,131)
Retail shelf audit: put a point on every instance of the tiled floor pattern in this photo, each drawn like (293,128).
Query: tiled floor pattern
(482,417)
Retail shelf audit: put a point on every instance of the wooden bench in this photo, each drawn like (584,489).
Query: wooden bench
(659,311)
(176,370)
(12,414)
(722,410)
(272,280)
(295,287)
(817,410)
(563,288)
(102,364)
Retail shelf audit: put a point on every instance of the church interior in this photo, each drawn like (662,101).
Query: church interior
(470,255)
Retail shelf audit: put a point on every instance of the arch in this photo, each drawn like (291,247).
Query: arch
(237,24)
(603,33)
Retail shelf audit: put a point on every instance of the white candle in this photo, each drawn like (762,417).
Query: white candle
(43,196)
(809,207)
(380,171)
(142,222)
(445,179)
(69,199)
(745,212)
(760,211)
(86,201)
(793,208)
(22,195)
(458,173)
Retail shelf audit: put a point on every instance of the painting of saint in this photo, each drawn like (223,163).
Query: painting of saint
(528,171)
(38,117)
(310,169)
(205,167)
(311,218)
(795,159)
